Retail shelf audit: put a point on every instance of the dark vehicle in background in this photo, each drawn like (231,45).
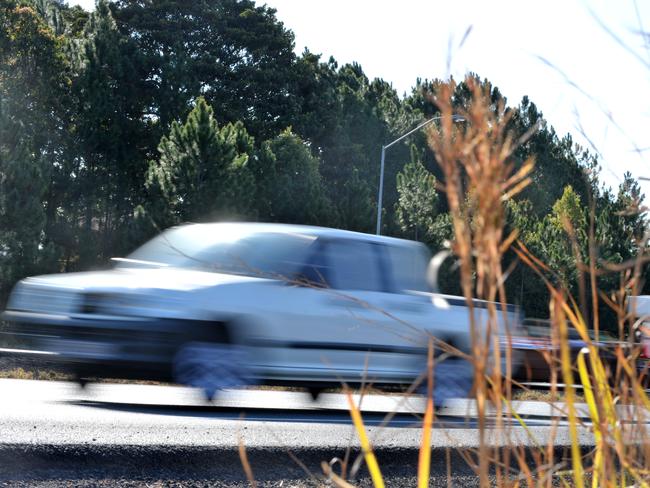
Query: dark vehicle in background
(539,351)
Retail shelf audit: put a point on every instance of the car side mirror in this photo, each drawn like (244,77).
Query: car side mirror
(433,270)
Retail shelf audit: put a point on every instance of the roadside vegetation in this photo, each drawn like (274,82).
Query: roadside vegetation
(39,373)
(481,180)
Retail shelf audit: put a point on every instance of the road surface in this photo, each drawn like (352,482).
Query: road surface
(54,433)
(60,413)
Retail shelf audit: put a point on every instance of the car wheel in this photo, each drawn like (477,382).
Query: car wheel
(453,378)
(210,367)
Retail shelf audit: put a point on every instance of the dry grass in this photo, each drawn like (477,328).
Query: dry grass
(19,373)
(543,396)
(479,178)
(34,374)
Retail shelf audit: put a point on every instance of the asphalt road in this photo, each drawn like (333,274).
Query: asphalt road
(59,413)
(56,434)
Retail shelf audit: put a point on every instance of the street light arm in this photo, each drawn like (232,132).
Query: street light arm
(454,117)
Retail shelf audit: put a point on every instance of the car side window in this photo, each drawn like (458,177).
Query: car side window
(316,270)
(354,265)
(408,266)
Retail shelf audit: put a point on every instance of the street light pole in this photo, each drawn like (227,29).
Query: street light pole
(381,189)
(454,117)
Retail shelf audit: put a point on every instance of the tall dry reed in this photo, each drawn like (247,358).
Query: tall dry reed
(480,176)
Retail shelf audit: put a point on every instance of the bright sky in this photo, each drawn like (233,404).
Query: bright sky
(596,86)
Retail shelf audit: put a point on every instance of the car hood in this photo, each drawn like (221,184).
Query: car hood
(158,292)
(173,279)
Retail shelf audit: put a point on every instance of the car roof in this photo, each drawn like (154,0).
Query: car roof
(305,229)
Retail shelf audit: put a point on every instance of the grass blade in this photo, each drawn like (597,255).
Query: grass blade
(371,460)
(424,460)
(335,478)
(246,465)
(599,468)
(576,457)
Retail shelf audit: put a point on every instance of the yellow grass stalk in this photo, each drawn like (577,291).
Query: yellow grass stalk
(424,460)
(603,397)
(599,468)
(368,454)
(567,373)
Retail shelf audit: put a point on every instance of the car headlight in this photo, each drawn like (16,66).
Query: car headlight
(28,296)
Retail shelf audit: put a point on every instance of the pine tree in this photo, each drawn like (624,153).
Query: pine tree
(418,200)
(289,183)
(50,11)
(109,137)
(32,92)
(22,217)
(346,117)
(203,170)
(355,204)
(233,52)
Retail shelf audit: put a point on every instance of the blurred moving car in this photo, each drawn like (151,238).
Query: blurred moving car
(223,304)
(539,352)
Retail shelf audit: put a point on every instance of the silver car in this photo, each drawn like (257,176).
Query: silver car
(222,304)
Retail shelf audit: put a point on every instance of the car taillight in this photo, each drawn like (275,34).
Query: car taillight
(643,336)
(645,347)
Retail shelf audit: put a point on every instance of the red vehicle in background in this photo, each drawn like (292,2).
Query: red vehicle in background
(639,307)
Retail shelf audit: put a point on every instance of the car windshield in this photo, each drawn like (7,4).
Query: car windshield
(226,249)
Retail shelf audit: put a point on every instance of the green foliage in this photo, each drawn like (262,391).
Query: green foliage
(32,83)
(232,52)
(50,12)
(202,172)
(620,222)
(557,239)
(558,161)
(355,209)
(75,19)
(347,117)
(22,217)
(290,187)
(560,239)
(107,137)
(418,200)
(562,236)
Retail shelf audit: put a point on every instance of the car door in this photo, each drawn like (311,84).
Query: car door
(341,319)
(301,323)
(382,331)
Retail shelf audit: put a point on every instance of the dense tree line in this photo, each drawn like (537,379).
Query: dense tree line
(142,114)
